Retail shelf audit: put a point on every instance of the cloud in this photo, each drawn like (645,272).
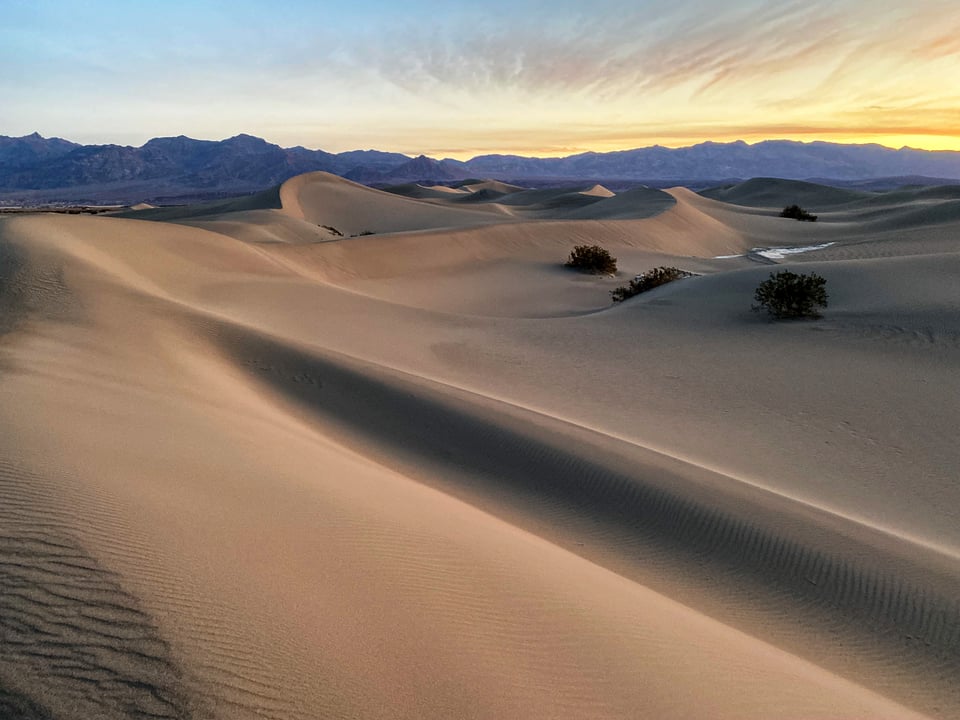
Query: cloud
(619,51)
(629,49)
(539,74)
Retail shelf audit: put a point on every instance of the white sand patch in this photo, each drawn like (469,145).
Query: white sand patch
(782,253)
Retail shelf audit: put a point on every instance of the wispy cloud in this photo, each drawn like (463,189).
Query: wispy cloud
(758,52)
(510,74)
(634,48)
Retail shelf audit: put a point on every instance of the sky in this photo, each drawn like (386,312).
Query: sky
(458,79)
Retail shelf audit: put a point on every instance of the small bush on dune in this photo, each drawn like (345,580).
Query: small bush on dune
(648,281)
(791,295)
(592,259)
(796,212)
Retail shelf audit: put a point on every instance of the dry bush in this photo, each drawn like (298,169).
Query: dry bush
(648,281)
(797,213)
(791,295)
(592,259)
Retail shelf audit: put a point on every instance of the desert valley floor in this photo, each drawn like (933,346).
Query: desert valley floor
(259,463)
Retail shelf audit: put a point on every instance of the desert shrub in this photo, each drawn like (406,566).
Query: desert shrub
(592,259)
(648,281)
(791,295)
(331,229)
(797,213)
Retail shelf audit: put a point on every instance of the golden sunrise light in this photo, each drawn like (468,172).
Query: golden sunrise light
(454,80)
(479,360)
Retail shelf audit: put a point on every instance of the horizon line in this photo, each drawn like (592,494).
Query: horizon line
(415,154)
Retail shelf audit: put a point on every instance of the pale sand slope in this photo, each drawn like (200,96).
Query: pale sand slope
(435,475)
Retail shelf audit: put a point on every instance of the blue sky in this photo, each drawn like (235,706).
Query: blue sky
(456,79)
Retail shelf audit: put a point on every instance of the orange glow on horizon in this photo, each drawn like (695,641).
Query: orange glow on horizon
(545,79)
(932,142)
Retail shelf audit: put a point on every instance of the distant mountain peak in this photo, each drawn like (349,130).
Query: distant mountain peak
(424,169)
(250,141)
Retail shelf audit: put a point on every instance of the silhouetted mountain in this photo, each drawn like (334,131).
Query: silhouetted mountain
(709,160)
(424,169)
(35,169)
(16,153)
(373,160)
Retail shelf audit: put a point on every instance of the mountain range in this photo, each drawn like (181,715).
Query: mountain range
(34,169)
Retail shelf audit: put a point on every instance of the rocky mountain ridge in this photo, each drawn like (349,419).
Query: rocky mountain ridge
(173,169)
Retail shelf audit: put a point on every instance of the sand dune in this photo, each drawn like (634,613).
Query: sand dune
(425,192)
(593,202)
(253,468)
(872,211)
(260,201)
(598,191)
(777,193)
(492,185)
(632,204)
(329,200)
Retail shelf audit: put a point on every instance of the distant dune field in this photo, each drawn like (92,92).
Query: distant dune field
(335,452)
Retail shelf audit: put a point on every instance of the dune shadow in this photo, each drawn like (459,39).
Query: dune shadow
(862,578)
